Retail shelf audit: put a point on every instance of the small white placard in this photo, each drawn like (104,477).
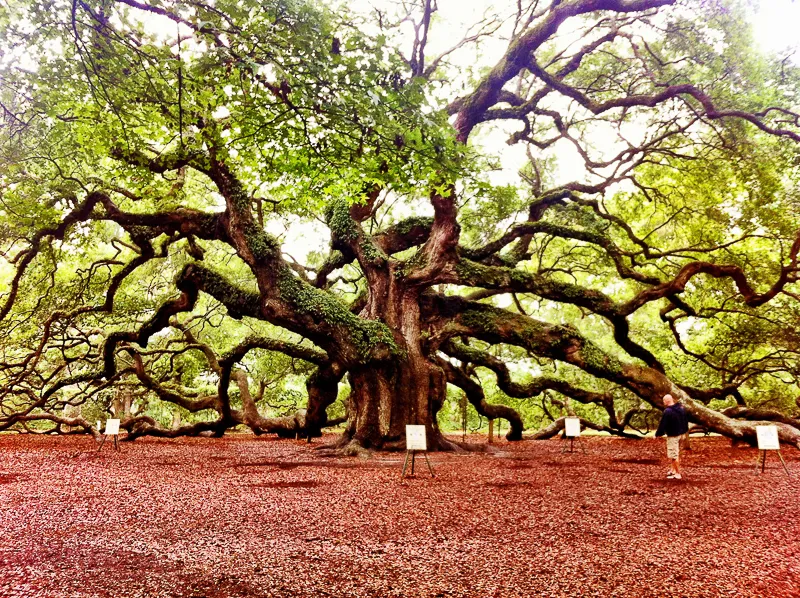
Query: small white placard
(572,427)
(99,425)
(415,438)
(768,438)
(112,427)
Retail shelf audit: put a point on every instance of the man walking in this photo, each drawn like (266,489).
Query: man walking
(674,424)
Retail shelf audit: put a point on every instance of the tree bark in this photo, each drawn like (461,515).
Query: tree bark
(386,399)
(408,389)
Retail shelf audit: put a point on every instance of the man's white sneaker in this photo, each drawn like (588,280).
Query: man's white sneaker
(676,476)
(670,476)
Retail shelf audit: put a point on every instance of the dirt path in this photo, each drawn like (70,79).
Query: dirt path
(243,517)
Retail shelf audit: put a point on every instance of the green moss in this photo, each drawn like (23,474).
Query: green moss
(418,261)
(468,272)
(237,195)
(265,247)
(470,353)
(521,279)
(510,260)
(404,227)
(371,253)
(547,340)
(141,233)
(493,277)
(597,361)
(337,216)
(366,335)
(239,302)
(493,321)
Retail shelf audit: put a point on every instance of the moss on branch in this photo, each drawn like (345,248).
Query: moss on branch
(366,336)
(511,279)
(239,302)
(371,253)
(342,225)
(264,247)
(562,342)
(404,227)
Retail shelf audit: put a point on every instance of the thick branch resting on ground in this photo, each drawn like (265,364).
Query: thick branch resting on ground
(73,422)
(554,428)
(458,317)
(476,397)
(539,384)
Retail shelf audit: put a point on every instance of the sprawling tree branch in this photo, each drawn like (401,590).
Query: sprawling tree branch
(565,343)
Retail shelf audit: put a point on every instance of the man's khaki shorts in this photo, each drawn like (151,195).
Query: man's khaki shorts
(673,447)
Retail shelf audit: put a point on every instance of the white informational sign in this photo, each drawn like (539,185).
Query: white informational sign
(572,427)
(415,438)
(99,426)
(768,438)
(112,427)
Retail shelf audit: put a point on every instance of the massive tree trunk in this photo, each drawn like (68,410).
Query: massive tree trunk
(405,386)
(122,402)
(385,399)
(408,389)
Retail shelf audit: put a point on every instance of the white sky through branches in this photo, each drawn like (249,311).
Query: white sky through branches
(775,30)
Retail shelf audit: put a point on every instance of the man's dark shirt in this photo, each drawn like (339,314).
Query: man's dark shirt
(673,421)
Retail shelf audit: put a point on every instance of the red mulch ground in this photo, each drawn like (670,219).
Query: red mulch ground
(246,517)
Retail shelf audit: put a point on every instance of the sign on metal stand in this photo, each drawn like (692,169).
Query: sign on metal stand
(112,429)
(416,441)
(767,437)
(572,430)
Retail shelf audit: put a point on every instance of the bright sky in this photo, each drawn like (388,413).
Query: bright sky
(776,24)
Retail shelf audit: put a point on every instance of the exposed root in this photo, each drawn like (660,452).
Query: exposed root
(349,448)
(456,446)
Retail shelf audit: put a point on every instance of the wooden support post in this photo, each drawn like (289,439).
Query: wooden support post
(763,462)
(405,464)
(786,469)
(491,431)
(413,455)
(430,469)
(572,440)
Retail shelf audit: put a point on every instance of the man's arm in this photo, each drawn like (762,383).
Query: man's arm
(662,424)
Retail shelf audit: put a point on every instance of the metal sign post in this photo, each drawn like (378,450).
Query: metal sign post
(416,442)
(767,437)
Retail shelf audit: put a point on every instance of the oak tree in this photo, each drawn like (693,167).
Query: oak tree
(163,163)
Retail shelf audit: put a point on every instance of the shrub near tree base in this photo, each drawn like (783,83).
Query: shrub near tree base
(153,149)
